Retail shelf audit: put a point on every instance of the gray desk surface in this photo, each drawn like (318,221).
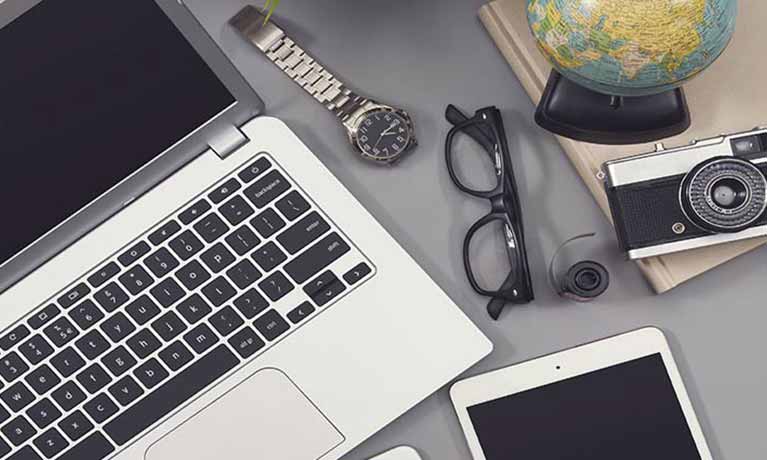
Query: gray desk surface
(422,55)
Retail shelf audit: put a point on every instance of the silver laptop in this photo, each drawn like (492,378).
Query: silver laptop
(182,278)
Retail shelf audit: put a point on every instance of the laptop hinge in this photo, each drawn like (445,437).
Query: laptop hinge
(228,140)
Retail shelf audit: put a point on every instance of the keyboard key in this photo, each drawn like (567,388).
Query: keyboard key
(86,315)
(268,223)
(292,205)
(254,170)
(111,297)
(171,395)
(201,338)
(160,235)
(192,275)
(271,325)
(100,408)
(12,367)
(5,448)
(92,344)
(301,312)
(93,378)
(251,303)
(211,227)
(74,295)
(144,343)
(51,443)
(225,321)
(357,273)
(118,327)
(36,349)
(236,210)
(133,254)
(142,310)
(269,256)
(317,257)
(119,361)
(246,342)
(218,291)
(61,332)
(104,274)
(16,335)
(276,286)
(169,326)
(94,447)
(17,397)
(18,431)
(267,189)
(67,362)
(68,396)
(243,274)
(243,240)
(76,425)
(324,288)
(176,355)
(26,453)
(136,279)
(4,414)
(126,390)
(151,373)
(168,292)
(42,379)
(225,190)
(194,212)
(161,262)
(42,317)
(193,309)
(217,257)
(43,413)
(303,232)
(186,245)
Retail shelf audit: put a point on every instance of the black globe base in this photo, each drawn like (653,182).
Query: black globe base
(573,111)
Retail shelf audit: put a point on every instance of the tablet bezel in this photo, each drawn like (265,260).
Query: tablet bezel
(567,364)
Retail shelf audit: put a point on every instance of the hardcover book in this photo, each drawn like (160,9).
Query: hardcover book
(729,97)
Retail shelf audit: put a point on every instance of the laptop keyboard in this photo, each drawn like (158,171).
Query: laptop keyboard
(208,289)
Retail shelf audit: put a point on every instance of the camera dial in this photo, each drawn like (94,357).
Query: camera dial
(724,195)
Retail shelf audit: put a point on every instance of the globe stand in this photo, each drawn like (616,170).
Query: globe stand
(576,112)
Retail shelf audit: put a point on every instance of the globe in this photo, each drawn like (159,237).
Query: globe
(632,47)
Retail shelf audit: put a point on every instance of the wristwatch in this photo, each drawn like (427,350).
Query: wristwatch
(379,132)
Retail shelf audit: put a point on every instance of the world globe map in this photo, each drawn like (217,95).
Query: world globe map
(632,47)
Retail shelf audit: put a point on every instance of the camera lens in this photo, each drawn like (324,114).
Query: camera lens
(729,193)
(724,195)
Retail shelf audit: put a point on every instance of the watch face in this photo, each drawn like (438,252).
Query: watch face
(383,135)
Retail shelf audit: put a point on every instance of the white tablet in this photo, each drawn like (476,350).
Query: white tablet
(619,398)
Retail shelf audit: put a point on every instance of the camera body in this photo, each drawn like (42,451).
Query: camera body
(710,192)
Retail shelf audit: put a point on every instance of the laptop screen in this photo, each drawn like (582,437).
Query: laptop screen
(90,91)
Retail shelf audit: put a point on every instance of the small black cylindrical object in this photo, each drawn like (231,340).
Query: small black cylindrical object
(585,280)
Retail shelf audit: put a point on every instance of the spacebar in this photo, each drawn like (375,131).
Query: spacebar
(171,395)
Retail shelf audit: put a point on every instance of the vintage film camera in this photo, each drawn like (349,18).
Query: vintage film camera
(710,192)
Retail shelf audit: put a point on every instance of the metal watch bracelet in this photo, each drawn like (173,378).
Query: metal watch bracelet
(297,63)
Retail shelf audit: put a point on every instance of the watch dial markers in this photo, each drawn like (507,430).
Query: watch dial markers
(383,135)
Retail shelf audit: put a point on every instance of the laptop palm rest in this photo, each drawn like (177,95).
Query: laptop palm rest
(259,419)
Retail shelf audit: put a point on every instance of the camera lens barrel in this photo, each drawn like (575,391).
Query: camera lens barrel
(724,195)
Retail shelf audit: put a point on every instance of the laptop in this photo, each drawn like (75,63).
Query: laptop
(181,277)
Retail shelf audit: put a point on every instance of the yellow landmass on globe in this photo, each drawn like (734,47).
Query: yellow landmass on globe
(636,32)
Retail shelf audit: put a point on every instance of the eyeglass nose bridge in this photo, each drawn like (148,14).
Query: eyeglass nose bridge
(498,204)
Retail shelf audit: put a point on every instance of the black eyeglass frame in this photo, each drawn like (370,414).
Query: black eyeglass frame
(486,128)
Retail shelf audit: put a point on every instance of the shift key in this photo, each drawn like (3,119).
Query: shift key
(303,232)
(319,256)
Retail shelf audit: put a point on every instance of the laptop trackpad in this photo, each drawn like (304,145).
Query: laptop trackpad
(265,417)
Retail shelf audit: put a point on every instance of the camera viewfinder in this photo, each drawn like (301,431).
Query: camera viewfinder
(750,145)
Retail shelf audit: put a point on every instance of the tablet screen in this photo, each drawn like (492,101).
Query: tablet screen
(628,412)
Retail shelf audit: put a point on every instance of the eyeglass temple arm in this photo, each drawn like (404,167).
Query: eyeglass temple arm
(481,135)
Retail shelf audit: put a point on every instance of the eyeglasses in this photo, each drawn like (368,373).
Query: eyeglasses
(479,163)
